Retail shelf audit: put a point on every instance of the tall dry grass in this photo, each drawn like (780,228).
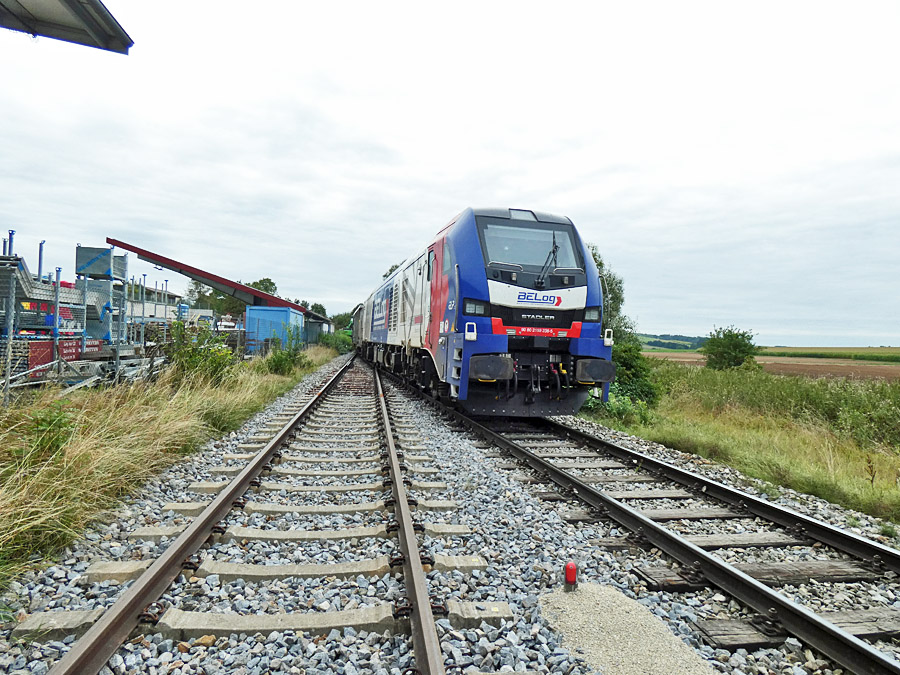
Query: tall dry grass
(865,410)
(63,462)
(836,439)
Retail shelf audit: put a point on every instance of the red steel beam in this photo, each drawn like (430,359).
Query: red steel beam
(202,276)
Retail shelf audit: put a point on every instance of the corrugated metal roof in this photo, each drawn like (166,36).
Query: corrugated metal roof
(84,22)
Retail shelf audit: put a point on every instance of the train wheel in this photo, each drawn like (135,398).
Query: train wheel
(443,392)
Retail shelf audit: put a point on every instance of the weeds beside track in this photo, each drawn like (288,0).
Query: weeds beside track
(64,461)
(837,439)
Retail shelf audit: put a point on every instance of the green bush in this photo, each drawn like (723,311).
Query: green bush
(199,353)
(633,371)
(279,362)
(282,359)
(51,427)
(620,407)
(633,393)
(341,342)
(729,348)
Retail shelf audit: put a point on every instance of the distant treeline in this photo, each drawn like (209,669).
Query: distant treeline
(892,358)
(667,341)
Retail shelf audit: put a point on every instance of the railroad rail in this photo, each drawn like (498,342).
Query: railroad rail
(426,645)
(778,614)
(137,604)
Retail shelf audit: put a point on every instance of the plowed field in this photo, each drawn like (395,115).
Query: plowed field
(787,365)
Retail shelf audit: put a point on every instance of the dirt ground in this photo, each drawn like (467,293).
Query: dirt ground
(787,365)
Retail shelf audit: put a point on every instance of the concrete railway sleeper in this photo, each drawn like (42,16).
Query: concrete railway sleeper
(699,560)
(361,475)
(659,503)
(307,558)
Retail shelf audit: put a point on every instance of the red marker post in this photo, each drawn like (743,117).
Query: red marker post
(571,577)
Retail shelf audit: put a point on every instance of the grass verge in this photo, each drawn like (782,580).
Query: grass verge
(64,461)
(835,439)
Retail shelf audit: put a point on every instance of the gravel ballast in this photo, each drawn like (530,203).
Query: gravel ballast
(525,542)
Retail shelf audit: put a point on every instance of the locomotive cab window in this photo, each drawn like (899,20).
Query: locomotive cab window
(430,264)
(448,259)
(529,244)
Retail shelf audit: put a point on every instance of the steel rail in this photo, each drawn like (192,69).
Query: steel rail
(845,649)
(842,540)
(106,635)
(426,644)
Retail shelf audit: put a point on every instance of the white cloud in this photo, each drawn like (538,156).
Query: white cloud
(734,164)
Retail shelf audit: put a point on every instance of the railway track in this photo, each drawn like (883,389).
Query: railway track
(298,574)
(339,467)
(660,505)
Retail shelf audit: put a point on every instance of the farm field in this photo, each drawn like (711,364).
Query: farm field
(889,354)
(831,366)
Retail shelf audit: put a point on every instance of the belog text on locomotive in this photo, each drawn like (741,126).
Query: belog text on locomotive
(501,313)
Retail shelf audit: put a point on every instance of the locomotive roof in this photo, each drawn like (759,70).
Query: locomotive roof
(539,215)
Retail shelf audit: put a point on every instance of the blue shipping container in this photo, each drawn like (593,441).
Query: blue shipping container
(265,323)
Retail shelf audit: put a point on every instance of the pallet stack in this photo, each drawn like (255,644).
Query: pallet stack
(20,351)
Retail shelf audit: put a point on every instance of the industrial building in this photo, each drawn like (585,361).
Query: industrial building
(93,326)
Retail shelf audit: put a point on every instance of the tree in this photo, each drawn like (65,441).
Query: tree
(613,295)
(266,285)
(304,303)
(227,304)
(632,367)
(198,295)
(729,348)
(318,308)
(390,270)
(341,321)
(223,304)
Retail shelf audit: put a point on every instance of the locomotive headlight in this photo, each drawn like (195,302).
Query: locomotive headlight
(592,314)
(475,307)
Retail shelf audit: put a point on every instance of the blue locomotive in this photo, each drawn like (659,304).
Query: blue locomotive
(500,313)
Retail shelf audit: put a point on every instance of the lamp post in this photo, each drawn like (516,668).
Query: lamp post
(41,259)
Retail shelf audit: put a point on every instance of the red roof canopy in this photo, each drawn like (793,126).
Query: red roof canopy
(247,294)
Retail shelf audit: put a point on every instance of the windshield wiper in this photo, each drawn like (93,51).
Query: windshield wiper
(551,257)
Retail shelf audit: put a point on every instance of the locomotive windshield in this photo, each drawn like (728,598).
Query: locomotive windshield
(529,244)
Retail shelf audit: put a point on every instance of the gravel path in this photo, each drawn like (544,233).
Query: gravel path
(619,635)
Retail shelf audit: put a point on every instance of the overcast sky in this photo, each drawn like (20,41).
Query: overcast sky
(734,164)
